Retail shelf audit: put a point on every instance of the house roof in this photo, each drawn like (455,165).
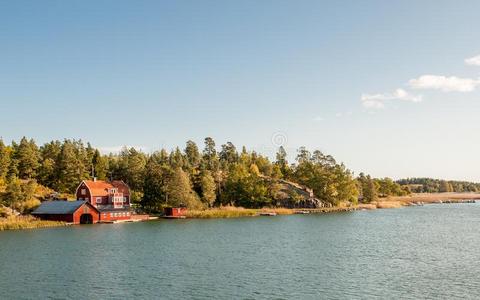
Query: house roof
(58,207)
(121,186)
(100,187)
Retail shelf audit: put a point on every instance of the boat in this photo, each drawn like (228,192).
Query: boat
(302,212)
(269,214)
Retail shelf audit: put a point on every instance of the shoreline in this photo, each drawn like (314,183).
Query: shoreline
(382,203)
(30,222)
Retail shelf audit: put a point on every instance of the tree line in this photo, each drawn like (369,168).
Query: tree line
(430,185)
(198,178)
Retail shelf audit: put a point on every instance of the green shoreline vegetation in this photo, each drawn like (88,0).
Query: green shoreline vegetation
(211,182)
(26,222)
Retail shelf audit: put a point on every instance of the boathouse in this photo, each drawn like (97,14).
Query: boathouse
(174,212)
(76,212)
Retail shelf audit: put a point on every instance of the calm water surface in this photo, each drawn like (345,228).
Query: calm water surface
(416,252)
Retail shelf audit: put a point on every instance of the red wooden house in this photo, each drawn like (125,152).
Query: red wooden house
(112,199)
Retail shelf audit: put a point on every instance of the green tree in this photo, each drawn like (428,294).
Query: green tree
(27,156)
(4,162)
(157,173)
(192,155)
(208,188)
(100,165)
(13,194)
(245,189)
(71,167)
(369,189)
(445,187)
(282,163)
(210,156)
(179,190)
(47,173)
(229,154)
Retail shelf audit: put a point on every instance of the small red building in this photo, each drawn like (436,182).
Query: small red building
(174,212)
(112,199)
(76,212)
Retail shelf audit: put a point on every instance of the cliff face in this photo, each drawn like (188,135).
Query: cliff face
(292,195)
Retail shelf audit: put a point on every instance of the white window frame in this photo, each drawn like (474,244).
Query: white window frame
(98,200)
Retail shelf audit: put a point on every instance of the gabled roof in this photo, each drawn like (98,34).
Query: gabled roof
(100,187)
(58,207)
(122,187)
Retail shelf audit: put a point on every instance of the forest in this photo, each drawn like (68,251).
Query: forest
(430,185)
(196,177)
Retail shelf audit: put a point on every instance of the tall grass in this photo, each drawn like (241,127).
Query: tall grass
(234,212)
(221,212)
(26,222)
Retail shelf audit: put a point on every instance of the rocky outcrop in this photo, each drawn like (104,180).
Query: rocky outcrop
(293,195)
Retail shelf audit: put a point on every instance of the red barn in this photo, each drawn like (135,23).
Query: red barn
(76,212)
(112,199)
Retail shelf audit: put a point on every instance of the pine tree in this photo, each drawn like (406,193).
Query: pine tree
(207,183)
(192,155)
(210,156)
(100,165)
(27,156)
(4,162)
(179,190)
(157,173)
(71,167)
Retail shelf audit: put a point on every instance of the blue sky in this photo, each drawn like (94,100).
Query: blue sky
(389,88)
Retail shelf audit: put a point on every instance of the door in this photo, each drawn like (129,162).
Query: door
(86,219)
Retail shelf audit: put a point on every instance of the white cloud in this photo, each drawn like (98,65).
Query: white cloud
(444,84)
(318,119)
(473,61)
(377,101)
(374,104)
(117,149)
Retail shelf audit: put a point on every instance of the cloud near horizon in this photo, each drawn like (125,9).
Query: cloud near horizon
(117,149)
(473,61)
(444,84)
(377,101)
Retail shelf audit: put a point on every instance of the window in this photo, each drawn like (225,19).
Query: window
(124,199)
(99,199)
(83,192)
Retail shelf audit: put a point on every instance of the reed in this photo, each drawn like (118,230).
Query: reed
(234,212)
(222,212)
(26,222)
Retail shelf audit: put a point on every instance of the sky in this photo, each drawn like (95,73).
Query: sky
(390,88)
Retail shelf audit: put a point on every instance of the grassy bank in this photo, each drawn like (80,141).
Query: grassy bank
(234,212)
(382,203)
(26,222)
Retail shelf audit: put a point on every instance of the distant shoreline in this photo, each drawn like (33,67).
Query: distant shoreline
(382,203)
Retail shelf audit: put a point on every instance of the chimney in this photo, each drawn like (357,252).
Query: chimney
(94,179)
